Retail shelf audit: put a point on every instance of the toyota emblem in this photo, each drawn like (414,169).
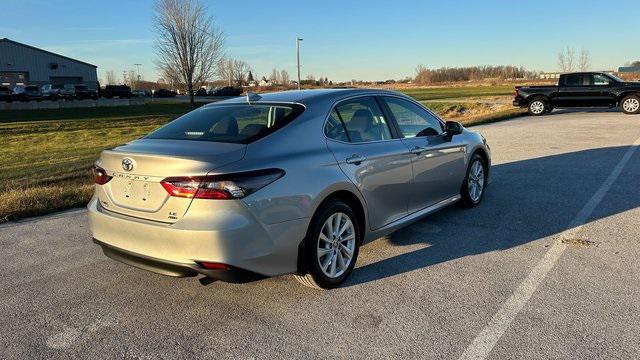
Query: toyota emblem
(127,164)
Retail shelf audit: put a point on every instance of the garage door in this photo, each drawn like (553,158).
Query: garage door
(62,80)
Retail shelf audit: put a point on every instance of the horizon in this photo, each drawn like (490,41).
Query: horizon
(337,44)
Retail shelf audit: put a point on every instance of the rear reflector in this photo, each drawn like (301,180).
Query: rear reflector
(214,266)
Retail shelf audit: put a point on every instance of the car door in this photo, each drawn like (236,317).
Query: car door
(601,93)
(438,161)
(573,91)
(375,160)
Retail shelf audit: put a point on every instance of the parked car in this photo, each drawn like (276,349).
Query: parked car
(201,92)
(50,92)
(83,92)
(585,89)
(27,93)
(139,93)
(121,91)
(163,93)
(227,91)
(67,92)
(6,94)
(261,186)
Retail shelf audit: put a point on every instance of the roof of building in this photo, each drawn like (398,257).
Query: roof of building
(45,51)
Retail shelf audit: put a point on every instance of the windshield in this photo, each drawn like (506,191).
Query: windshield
(242,123)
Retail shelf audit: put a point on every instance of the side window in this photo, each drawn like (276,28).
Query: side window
(599,80)
(412,119)
(334,128)
(573,80)
(363,120)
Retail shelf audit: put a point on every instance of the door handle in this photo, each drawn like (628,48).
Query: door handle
(418,150)
(355,159)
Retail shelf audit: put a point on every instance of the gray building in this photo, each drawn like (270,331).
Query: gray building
(21,64)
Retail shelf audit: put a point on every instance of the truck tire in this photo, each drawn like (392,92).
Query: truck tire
(630,104)
(538,106)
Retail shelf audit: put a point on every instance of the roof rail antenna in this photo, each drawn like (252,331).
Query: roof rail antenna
(253,97)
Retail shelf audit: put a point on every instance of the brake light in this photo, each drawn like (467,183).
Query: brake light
(516,92)
(220,187)
(100,176)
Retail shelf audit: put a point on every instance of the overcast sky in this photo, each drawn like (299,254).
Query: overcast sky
(343,40)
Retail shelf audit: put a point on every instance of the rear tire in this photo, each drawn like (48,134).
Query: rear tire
(538,106)
(331,246)
(630,104)
(475,182)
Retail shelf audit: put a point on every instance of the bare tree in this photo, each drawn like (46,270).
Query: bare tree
(566,59)
(110,78)
(189,45)
(284,77)
(240,72)
(275,76)
(584,62)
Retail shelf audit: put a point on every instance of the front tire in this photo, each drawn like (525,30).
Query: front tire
(331,246)
(475,182)
(630,104)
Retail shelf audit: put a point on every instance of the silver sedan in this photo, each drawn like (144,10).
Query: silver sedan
(281,183)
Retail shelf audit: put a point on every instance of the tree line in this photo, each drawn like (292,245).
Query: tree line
(424,75)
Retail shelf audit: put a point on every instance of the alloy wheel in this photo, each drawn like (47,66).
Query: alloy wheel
(475,181)
(631,105)
(336,245)
(537,107)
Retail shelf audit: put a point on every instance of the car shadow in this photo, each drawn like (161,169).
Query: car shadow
(527,200)
(584,110)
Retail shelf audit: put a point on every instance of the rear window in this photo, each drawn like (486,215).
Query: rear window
(242,123)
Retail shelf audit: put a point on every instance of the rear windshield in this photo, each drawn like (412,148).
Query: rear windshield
(242,123)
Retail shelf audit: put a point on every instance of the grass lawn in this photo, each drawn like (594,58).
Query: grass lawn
(44,165)
(422,94)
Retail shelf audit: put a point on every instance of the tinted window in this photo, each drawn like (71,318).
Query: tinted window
(599,80)
(228,123)
(363,120)
(412,119)
(573,80)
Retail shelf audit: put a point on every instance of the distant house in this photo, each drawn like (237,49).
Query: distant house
(253,83)
(264,82)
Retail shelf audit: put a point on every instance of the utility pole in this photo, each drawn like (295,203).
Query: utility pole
(298,57)
(138,70)
(124,77)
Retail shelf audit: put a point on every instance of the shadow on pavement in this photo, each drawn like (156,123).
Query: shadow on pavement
(527,200)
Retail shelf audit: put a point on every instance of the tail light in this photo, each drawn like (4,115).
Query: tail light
(516,92)
(100,176)
(221,187)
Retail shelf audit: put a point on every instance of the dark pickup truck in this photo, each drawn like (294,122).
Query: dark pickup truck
(587,89)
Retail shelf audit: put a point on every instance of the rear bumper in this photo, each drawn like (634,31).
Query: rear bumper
(519,102)
(164,267)
(218,233)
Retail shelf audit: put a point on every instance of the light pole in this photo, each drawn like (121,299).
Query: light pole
(138,70)
(298,57)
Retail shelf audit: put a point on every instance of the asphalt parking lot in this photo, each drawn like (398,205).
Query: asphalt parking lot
(546,267)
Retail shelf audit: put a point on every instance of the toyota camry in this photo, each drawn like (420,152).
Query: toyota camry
(291,182)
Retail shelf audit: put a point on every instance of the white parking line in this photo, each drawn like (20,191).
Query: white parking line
(489,336)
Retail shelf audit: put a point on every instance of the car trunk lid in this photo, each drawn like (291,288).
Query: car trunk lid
(137,169)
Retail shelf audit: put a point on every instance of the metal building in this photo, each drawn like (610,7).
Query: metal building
(21,64)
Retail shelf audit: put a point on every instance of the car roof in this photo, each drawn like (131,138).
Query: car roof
(307,96)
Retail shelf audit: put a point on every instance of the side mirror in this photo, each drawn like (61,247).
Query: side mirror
(453,128)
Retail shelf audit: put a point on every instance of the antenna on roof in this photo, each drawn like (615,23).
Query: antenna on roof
(253,97)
